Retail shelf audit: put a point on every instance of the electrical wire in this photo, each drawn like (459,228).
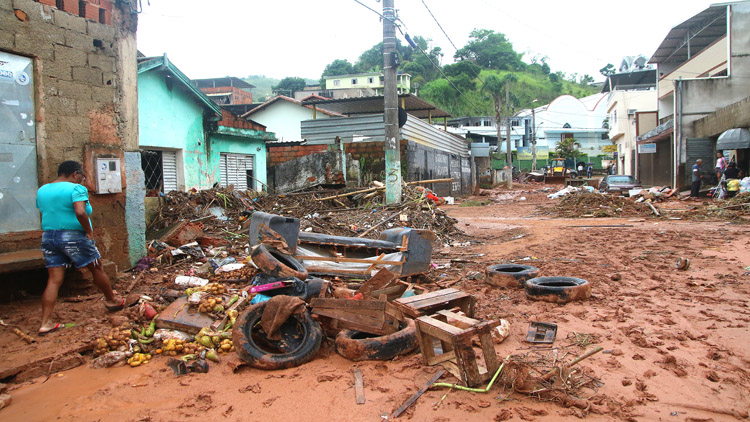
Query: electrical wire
(379,14)
(440,26)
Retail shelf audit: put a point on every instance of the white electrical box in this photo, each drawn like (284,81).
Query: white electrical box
(108,179)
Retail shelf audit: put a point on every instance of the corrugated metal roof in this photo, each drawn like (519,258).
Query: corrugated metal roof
(690,37)
(371,128)
(372,105)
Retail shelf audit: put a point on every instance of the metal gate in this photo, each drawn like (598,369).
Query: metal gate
(18,172)
(698,148)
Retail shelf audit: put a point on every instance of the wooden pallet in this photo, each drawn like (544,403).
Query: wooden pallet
(370,316)
(456,334)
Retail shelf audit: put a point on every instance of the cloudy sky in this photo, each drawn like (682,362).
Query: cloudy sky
(279,38)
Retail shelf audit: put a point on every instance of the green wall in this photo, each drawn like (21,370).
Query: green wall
(173,118)
(245,142)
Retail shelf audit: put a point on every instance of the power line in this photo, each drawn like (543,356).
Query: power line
(440,26)
(379,14)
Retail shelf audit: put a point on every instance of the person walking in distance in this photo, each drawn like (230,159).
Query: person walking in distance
(696,178)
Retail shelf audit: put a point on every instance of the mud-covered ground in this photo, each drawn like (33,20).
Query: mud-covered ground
(675,342)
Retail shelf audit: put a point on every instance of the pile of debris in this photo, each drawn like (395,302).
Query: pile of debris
(735,209)
(586,204)
(222,212)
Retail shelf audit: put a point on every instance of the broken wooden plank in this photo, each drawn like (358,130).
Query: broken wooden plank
(359,386)
(416,395)
(380,280)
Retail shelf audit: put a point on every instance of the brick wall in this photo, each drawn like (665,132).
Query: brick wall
(239,96)
(282,154)
(94,10)
(83,55)
(232,120)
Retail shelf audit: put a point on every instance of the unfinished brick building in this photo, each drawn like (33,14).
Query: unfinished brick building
(68,92)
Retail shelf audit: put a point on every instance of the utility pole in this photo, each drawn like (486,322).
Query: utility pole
(508,155)
(390,110)
(533,138)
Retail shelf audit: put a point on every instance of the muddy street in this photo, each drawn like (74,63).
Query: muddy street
(673,340)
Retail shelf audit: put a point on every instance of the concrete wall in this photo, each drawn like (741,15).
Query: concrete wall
(84,73)
(172,118)
(623,131)
(283,118)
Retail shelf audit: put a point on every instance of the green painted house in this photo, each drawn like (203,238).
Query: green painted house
(187,140)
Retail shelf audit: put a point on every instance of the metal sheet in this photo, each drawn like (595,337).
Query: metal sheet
(18,172)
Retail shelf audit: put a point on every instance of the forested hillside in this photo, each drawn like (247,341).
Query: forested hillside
(470,86)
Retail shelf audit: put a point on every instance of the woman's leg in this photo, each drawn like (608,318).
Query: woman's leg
(54,281)
(102,282)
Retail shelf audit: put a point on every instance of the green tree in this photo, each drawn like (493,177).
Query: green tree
(289,85)
(337,67)
(607,70)
(490,50)
(463,67)
(569,148)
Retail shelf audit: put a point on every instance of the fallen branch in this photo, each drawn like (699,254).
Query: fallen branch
(737,414)
(380,224)
(552,373)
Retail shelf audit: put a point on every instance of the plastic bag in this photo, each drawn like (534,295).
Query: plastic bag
(109,359)
(190,281)
(164,334)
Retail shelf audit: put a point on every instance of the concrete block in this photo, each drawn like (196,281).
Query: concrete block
(83,107)
(59,138)
(73,22)
(101,31)
(75,125)
(50,123)
(60,106)
(60,70)
(87,75)
(75,90)
(7,40)
(103,94)
(80,42)
(69,56)
(109,79)
(27,43)
(100,61)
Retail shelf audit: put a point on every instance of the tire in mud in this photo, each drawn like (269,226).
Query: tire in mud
(273,263)
(358,346)
(558,289)
(509,275)
(301,337)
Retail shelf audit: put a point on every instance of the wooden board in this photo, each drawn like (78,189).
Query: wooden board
(179,316)
(359,386)
(361,315)
(429,303)
(380,280)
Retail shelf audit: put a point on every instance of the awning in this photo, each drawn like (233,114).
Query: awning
(737,138)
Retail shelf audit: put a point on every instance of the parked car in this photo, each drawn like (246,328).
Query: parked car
(615,183)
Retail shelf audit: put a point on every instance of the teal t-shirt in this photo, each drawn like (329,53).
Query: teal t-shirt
(55,201)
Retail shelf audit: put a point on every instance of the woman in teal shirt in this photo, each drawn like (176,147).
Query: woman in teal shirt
(68,239)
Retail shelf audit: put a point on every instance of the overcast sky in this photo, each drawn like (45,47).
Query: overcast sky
(279,38)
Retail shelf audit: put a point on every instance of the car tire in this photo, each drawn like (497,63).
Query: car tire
(273,263)
(557,289)
(359,346)
(301,339)
(509,275)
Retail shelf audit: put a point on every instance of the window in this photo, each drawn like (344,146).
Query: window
(354,81)
(370,80)
(515,123)
(336,82)
(160,170)
(487,122)
(237,170)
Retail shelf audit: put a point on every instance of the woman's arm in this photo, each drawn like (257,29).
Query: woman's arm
(80,209)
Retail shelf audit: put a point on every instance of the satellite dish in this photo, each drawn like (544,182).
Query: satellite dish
(402,117)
